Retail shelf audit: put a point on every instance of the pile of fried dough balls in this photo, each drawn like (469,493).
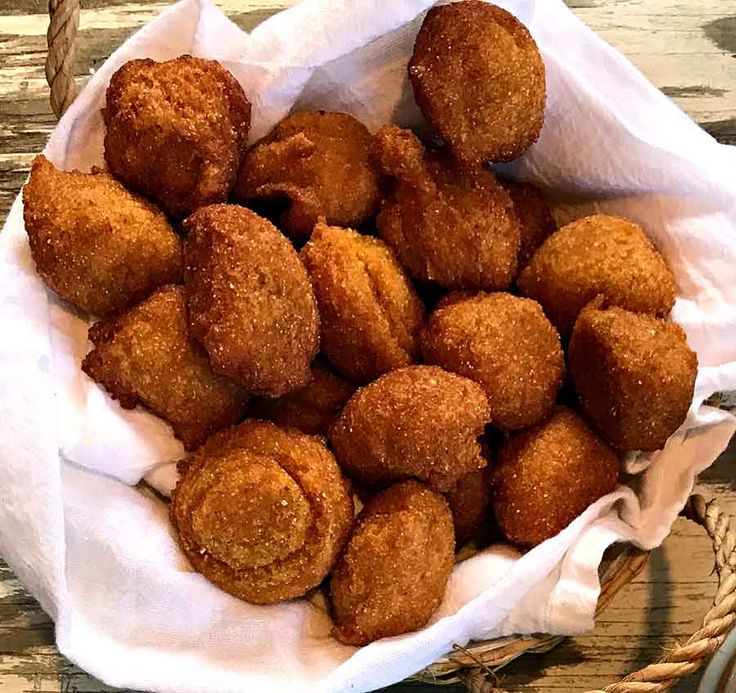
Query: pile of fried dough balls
(333,318)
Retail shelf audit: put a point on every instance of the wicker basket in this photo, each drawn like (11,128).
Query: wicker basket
(476,664)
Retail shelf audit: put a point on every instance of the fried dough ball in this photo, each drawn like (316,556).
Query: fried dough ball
(418,421)
(504,343)
(596,255)
(95,244)
(145,355)
(311,409)
(547,475)
(250,301)
(634,375)
(447,224)
(321,164)
(535,217)
(262,512)
(392,575)
(470,503)
(176,131)
(479,79)
(368,307)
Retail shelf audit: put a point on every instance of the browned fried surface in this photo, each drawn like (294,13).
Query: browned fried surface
(535,217)
(145,355)
(595,255)
(504,343)
(368,307)
(470,503)
(250,301)
(418,421)
(392,575)
(321,163)
(547,475)
(176,131)
(479,79)
(448,224)
(634,376)
(97,245)
(311,409)
(262,512)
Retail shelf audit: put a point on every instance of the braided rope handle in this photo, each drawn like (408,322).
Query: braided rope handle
(64,15)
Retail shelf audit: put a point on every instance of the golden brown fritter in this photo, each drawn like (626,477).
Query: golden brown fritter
(596,255)
(504,343)
(470,503)
(451,225)
(145,355)
(94,243)
(479,79)
(320,163)
(535,217)
(311,409)
(368,308)
(634,375)
(262,512)
(418,421)
(547,475)
(249,299)
(176,131)
(392,575)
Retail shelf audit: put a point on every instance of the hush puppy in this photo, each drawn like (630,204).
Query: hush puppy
(95,244)
(479,79)
(470,503)
(448,224)
(145,355)
(392,575)
(262,512)
(596,255)
(505,344)
(249,299)
(418,421)
(536,222)
(176,131)
(369,310)
(547,475)
(634,375)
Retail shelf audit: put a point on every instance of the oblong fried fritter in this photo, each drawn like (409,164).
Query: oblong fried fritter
(146,355)
(536,222)
(470,503)
(250,301)
(95,244)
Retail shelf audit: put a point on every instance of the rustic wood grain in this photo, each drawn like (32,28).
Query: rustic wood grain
(686,47)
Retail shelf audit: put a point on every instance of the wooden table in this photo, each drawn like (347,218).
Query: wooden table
(686,47)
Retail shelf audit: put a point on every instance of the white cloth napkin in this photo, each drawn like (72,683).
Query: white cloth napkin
(101,557)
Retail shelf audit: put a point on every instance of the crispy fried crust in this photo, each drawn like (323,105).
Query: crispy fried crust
(321,163)
(369,310)
(596,255)
(176,131)
(536,222)
(470,503)
(262,512)
(418,421)
(547,475)
(250,301)
(447,224)
(504,343)
(97,245)
(145,355)
(479,79)
(634,375)
(392,575)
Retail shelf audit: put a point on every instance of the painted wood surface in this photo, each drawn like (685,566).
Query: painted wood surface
(685,47)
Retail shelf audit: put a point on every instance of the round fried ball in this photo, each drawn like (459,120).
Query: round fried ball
(504,343)
(97,245)
(176,131)
(479,80)
(448,224)
(321,164)
(250,301)
(535,217)
(634,375)
(470,503)
(547,475)
(369,310)
(596,255)
(418,421)
(392,575)
(262,512)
